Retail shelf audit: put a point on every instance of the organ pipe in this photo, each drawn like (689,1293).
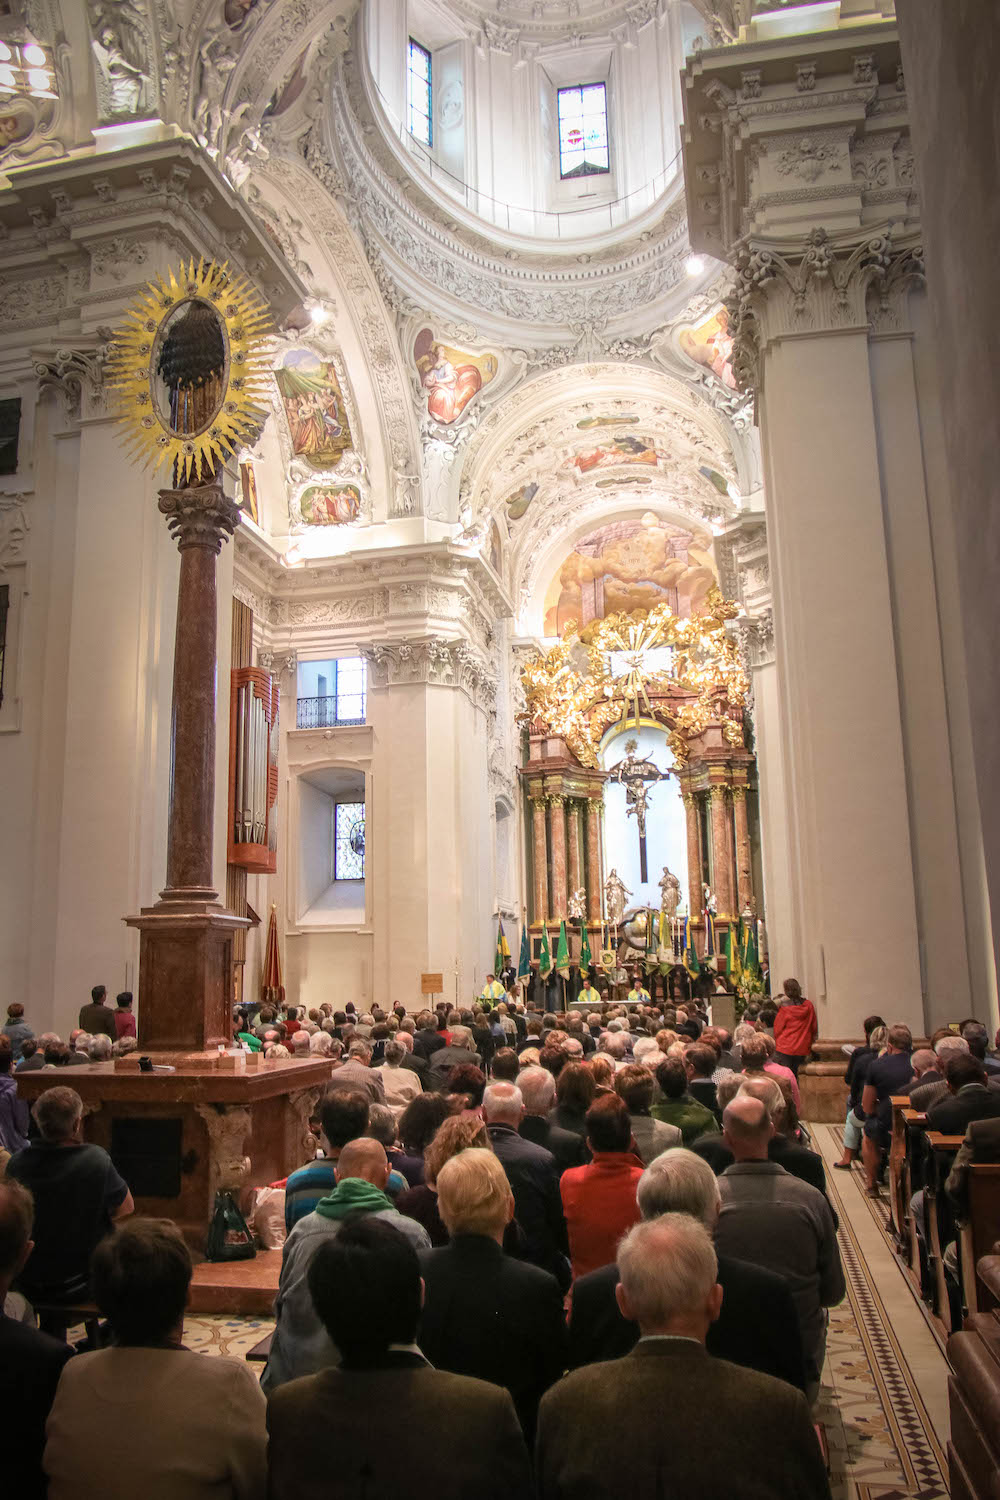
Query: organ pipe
(253,770)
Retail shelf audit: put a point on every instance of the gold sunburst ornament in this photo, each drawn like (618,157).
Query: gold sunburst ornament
(189,368)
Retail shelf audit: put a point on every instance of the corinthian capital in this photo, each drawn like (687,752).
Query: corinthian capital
(201,517)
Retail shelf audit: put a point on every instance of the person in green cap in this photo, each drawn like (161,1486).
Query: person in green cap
(301,1345)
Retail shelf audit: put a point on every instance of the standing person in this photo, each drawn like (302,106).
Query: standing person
(97,1016)
(14,1116)
(795,1027)
(17,1029)
(184,1427)
(123,1018)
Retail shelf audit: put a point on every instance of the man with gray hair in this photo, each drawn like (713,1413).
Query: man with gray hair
(757,1327)
(534,1180)
(457,1050)
(709,1414)
(356,1073)
(781,1223)
(99,1050)
(78,1195)
(932,1088)
(538,1090)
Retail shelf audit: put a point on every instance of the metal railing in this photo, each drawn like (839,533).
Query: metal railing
(321,713)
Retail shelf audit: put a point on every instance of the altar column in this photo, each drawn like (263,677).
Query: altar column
(595,885)
(541,860)
(557,804)
(744,878)
(695,865)
(721,852)
(575,873)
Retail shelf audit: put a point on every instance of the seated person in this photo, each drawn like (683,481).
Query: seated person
(30,1362)
(471,1286)
(183,1427)
(677,1107)
(967,1098)
(343,1117)
(636,1086)
(887,1076)
(78,1195)
(448,1436)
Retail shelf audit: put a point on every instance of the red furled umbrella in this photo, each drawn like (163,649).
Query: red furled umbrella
(272,991)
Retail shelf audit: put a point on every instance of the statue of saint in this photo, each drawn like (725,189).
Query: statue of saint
(577,904)
(711,904)
(670,893)
(615,894)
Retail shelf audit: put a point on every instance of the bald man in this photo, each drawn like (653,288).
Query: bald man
(777,1221)
(301,1345)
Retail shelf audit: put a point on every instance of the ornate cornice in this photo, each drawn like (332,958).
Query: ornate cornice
(436,661)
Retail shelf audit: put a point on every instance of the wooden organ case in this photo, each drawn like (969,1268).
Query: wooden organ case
(253,770)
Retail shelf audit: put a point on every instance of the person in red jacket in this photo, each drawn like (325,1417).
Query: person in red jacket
(795,1027)
(599,1199)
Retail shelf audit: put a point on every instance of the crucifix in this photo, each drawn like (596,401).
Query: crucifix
(637,774)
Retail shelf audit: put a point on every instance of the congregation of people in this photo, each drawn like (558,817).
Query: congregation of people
(526,1247)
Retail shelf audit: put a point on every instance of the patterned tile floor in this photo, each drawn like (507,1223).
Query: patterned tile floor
(881,1435)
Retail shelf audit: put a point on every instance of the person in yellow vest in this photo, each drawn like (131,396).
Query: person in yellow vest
(493,991)
(637,995)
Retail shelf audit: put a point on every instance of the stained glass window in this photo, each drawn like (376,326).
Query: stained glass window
(349,841)
(583,130)
(418,91)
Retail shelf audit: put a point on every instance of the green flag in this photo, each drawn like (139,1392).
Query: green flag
(503,951)
(734,967)
(690,952)
(544,956)
(585,958)
(751,956)
(524,961)
(562,952)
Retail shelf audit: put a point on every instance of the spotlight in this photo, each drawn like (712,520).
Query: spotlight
(318,314)
(33,55)
(694,265)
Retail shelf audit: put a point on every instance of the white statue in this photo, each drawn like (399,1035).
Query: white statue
(577,904)
(208,111)
(615,893)
(122,52)
(670,893)
(710,903)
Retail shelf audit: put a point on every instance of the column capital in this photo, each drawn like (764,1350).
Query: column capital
(717,791)
(199,517)
(739,791)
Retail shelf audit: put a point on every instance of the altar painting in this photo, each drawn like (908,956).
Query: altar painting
(330,504)
(450,377)
(628,565)
(710,345)
(314,406)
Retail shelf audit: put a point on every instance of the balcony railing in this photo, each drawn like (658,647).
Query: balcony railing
(321,713)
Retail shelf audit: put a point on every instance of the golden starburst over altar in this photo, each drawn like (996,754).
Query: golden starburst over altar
(627,665)
(189,366)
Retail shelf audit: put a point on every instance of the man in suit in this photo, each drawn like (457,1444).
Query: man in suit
(30,1362)
(534,1181)
(486,1314)
(443,1435)
(757,1326)
(669,1418)
(97,1016)
(981,1147)
(358,1074)
(458,1050)
(428,1039)
(699,1060)
(930,1089)
(412,1060)
(799,1160)
(538,1090)
(967,1099)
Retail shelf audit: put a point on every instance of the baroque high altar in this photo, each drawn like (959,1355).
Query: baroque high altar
(683,675)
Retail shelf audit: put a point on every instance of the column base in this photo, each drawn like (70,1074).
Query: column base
(185,973)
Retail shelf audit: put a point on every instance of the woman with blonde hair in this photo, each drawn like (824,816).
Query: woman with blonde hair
(459,1133)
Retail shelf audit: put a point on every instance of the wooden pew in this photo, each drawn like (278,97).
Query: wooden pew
(912,1124)
(942,1153)
(974,1398)
(978,1234)
(898,1201)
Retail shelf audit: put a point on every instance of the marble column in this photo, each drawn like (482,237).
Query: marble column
(186,942)
(540,859)
(595,884)
(557,806)
(744,877)
(575,872)
(695,878)
(721,852)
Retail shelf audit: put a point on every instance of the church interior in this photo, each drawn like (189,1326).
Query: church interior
(498,554)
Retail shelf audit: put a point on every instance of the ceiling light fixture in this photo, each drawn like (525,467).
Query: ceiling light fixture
(694,265)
